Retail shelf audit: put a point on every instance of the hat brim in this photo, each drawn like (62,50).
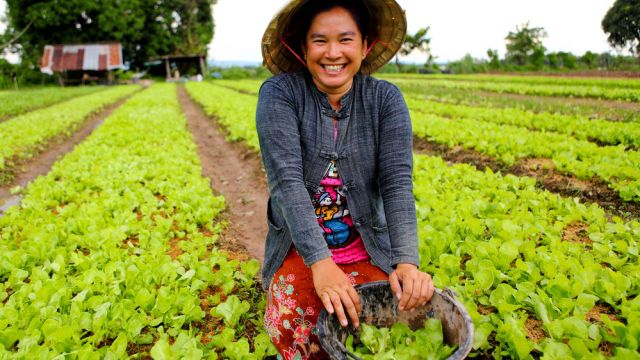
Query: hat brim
(391,26)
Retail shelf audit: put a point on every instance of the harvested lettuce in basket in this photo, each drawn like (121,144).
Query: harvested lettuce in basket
(400,342)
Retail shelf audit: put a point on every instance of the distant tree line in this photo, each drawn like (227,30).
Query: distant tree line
(526,51)
(146,28)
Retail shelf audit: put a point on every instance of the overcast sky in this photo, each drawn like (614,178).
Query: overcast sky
(458,27)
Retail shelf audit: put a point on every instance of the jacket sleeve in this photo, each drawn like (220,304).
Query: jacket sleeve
(279,136)
(395,166)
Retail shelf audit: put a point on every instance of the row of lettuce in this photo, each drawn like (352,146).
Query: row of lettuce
(476,96)
(576,145)
(625,83)
(25,135)
(119,259)
(629,92)
(18,102)
(524,261)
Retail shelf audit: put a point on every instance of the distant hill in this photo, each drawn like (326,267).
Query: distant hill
(231,63)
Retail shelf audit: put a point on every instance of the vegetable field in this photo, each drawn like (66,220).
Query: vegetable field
(527,193)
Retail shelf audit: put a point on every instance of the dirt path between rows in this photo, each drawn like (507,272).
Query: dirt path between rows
(235,173)
(42,163)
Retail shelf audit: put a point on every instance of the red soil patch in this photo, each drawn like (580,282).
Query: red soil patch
(534,330)
(486,309)
(576,232)
(595,315)
(175,250)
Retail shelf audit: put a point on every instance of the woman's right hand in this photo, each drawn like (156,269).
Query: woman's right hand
(336,291)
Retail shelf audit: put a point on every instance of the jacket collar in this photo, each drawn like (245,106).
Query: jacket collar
(345,100)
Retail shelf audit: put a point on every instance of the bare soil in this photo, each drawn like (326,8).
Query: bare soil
(235,173)
(592,191)
(602,309)
(534,330)
(26,171)
(577,232)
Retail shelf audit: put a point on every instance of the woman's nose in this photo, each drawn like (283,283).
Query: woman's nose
(333,50)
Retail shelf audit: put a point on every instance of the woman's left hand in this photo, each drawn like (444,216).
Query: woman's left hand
(412,286)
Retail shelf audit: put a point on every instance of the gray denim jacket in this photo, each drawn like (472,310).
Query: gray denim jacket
(373,153)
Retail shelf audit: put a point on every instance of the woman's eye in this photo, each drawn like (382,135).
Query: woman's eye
(346,40)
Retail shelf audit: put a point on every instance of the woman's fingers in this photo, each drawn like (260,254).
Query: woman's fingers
(427,290)
(343,305)
(408,300)
(326,301)
(355,306)
(395,285)
(415,286)
(337,305)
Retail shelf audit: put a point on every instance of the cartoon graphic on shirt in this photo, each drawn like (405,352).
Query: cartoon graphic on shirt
(332,213)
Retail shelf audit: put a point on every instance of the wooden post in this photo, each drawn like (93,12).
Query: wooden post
(61,78)
(202,66)
(166,68)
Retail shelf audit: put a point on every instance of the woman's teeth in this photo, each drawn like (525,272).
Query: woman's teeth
(333,67)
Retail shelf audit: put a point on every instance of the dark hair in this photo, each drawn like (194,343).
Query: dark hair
(296,32)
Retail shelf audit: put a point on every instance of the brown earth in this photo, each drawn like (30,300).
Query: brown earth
(594,190)
(27,170)
(577,232)
(236,173)
(587,191)
(534,330)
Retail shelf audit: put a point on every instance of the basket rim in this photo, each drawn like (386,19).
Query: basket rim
(447,294)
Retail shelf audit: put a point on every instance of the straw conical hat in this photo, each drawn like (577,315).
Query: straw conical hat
(389,21)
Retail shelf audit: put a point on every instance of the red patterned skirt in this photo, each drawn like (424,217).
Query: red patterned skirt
(293,306)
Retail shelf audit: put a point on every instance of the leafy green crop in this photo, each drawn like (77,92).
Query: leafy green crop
(22,136)
(113,252)
(580,127)
(402,343)
(620,168)
(507,248)
(247,86)
(600,82)
(236,112)
(564,89)
(18,102)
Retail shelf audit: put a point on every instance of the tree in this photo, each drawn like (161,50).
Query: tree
(494,59)
(622,24)
(416,42)
(524,46)
(146,28)
(590,59)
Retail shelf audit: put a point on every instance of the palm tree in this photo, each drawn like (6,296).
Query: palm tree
(419,41)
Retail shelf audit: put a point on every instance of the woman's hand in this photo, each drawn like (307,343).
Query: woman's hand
(412,286)
(336,291)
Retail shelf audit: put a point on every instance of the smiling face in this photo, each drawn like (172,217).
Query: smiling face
(334,50)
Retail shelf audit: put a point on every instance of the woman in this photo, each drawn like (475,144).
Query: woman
(337,148)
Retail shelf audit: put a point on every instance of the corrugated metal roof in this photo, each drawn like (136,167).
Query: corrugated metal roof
(56,58)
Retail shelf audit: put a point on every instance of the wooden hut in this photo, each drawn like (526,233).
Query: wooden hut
(82,62)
